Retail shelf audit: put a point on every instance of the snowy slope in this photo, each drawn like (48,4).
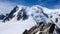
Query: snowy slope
(17,27)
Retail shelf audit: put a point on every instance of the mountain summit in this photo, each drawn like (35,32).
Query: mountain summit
(18,12)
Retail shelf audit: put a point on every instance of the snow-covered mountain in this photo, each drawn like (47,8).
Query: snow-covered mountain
(17,13)
(24,17)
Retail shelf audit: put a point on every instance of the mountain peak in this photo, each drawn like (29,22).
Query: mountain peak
(17,13)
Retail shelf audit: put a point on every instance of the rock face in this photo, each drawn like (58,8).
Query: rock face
(2,17)
(22,14)
(10,15)
(41,28)
(16,12)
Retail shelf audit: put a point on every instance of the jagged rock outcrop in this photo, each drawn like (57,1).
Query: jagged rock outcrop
(10,15)
(18,12)
(22,14)
(41,28)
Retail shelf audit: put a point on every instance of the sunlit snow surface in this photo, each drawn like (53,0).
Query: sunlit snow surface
(16,27)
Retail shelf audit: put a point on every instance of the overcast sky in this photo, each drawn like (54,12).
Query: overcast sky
(7,5)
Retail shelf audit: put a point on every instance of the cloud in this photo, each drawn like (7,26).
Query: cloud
(6,6)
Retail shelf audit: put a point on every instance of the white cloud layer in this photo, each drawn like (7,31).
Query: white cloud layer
(6,6)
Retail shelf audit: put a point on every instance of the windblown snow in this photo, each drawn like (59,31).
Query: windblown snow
(35,15)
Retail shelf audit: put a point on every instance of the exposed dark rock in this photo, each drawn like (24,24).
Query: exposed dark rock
(57,30)
(43,12)
(10,15)
(51,16)
(43,28)
(22,14)
(25,32)
(2,17)
(52,28)
(56,20)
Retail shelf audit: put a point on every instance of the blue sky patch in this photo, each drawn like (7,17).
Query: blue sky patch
(45,3)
